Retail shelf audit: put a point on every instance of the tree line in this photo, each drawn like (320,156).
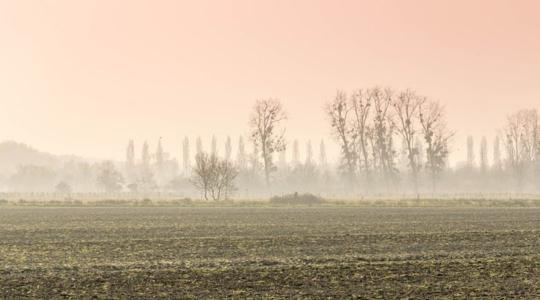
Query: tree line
(367,123)
(390,142)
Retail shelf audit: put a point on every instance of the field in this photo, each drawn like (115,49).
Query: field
(330,251)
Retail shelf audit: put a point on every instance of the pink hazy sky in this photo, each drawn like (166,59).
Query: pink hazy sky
(85,76)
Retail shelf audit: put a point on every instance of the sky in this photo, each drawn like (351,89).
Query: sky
(83,77)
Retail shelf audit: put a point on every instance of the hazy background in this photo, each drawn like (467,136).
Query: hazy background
(83,77)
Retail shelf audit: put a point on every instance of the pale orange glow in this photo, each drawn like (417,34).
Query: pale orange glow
(85,76)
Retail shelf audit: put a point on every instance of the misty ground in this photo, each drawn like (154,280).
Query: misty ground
(338,251)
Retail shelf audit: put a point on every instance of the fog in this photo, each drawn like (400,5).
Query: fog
(379,99)
(240,149)
(392,144)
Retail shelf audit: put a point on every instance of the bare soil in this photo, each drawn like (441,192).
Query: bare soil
(269,252)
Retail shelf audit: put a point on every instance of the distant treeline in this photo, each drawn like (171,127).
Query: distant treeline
(391,143)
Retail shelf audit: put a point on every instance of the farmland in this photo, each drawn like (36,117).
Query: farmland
(339,251)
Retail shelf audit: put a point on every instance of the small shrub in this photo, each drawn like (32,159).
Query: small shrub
(297,199)
(77,202)
(184,201)
(146,202)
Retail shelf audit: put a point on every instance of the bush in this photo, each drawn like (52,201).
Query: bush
(297,199)
(184,201)
(76,202)
(145,202)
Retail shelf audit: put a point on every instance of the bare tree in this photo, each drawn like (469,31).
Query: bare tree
(361,106)
(339,114)
(497,160)
(282,159)
(382,134)
(186,156)
(227,173)
(214,176)
(531,135)
(437,137)
(130,156)
(421,152)
(522,132)
(255,161)
(241,159)
(145,179)
(267,131)
(63,188)
(295,153)
(204,172)
(109,178)
(160,160)
(160,155)
(198,145)
(145,155)
(309,152)
(228,149)
(323,161)
(214,145)
(407,106)
(483,155)
(471,160)
(130,160)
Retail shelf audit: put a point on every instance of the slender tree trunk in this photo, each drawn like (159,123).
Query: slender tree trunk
(266,164)
(366,163)
(433,182)
(414,169)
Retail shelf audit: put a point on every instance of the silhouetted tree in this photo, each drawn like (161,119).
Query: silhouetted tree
(407,106)
(383,134)
(214,145)
(483,155)
(204,172)
(109,179)
(214,176)
(159,154)
(323,161)
(199,146)
(339,113)
(309,153)
(267,131)
(63,188)
(497,160)
(437,136)
(282,160)
(295,159)
(228,149)
(361,107)
(186,164)
(145,156)
(146,180)
(470,152)
(130,157)
(522,143)
(241,159)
